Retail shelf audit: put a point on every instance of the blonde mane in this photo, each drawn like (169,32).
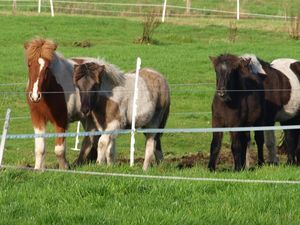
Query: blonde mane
(40,48)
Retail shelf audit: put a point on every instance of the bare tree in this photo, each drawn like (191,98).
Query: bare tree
(151,22)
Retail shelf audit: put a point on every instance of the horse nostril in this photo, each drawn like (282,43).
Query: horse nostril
(221,93)
(39,96)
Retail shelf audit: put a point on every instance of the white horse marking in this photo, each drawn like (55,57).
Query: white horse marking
(59,149)
(35,95)
(106,145)
(41,61)
(40,149)
(291,108)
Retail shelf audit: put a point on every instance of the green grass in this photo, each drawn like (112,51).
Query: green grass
(181,54)
(273,7)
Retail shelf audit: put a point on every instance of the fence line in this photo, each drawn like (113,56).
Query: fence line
(230,13)
(165,130)
(157,177)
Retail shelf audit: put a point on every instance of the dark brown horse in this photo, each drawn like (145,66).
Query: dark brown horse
(51,96)
(282,102)
(238,102)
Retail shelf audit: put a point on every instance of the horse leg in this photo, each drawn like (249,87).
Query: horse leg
(271,146)
(215,147)
(237,150)
(111,150)
(159,156)
(259,139)
(244,141)
(291,145)
(149,151)
(297,151)
(39,149)
(88,150)
(60,149)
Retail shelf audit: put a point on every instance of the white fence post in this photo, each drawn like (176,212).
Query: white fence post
(77,137)
(51,7)
(14,6)
(134,107)
(4,133)
(237,9)
(164,11)
(39,6)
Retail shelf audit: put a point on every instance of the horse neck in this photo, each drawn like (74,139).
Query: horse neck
(62,69)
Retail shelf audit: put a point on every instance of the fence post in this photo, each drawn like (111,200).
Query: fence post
(77,137)
(51,7)
(237,9)
(39,6)
(4,133)
(134,106)
(14,6)
(164,11)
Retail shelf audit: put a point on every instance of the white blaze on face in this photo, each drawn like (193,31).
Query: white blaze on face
(35,94)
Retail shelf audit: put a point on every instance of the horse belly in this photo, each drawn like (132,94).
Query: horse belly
(292,107)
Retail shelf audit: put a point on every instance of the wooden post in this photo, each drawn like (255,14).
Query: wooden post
(14,6)
(188,7)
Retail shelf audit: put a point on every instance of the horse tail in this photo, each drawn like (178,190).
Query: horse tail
(163,122)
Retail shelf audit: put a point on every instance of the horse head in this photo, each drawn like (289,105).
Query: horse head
(87,78)
(39,54)
(229,69)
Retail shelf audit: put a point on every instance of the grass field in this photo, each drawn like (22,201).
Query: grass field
(181,54)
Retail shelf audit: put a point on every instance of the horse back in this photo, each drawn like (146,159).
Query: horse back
(287,96)
(153,99)
(157,86)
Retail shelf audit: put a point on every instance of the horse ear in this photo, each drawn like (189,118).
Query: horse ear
(246,61)
(212,59)
(26,45)
(101,72)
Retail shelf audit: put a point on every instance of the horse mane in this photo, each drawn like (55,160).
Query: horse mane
(227,59)
(256,64)
(40,47)
(112,72)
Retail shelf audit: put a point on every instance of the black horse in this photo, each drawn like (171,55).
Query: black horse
(238,102)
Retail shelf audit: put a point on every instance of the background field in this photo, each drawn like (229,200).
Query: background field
(181,54)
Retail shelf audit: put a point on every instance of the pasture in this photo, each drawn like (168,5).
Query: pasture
(181,54)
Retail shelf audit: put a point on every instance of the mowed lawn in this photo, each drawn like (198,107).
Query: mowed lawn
(181,54)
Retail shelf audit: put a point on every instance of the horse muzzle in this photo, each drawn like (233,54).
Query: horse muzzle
(221,93)
(35,97)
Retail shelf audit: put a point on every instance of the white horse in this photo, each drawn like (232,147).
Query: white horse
(111,108)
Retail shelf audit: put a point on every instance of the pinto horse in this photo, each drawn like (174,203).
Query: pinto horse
(282,102)
(111,108)
(51,96)
(236,103)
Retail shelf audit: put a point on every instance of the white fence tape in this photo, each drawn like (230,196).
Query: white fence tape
(155,177)
(231,13)
(166,130)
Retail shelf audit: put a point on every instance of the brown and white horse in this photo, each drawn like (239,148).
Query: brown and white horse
(111,108)
(51,96)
